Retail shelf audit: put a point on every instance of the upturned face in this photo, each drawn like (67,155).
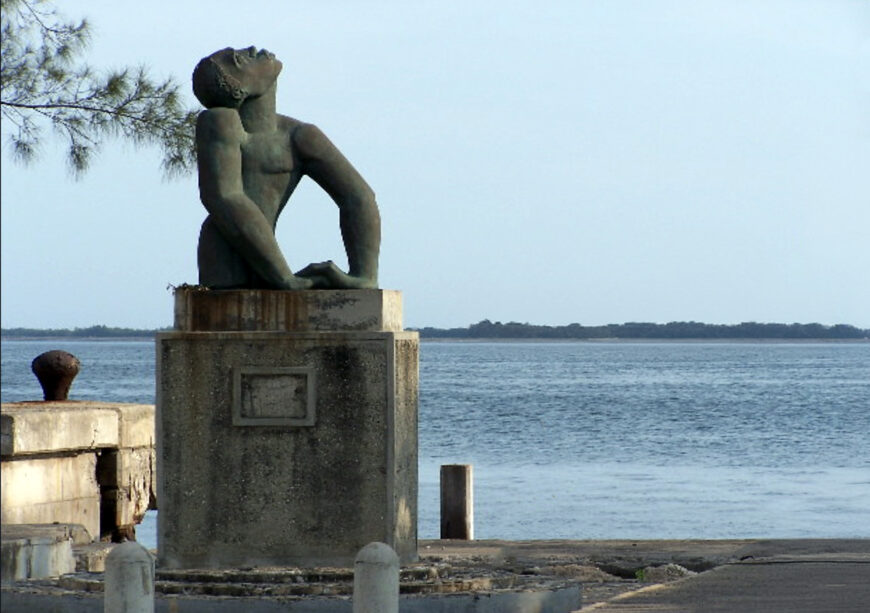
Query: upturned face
(256,71)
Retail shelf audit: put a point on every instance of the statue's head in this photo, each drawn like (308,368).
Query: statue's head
(228,77)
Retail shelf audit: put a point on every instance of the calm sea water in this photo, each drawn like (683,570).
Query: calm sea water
(606,440)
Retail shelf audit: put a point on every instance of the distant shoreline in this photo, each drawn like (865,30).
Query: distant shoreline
(474,340)
(5,338)
(625,340)
(488,331)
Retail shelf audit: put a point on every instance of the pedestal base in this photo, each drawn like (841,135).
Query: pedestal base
(285,448)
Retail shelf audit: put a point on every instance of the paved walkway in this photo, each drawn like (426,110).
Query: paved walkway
(789,584)
(742,576)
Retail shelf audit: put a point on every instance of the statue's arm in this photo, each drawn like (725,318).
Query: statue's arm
(359,218)
(219,135)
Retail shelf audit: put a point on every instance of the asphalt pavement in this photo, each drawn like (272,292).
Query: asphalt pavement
(829,583)
(736,576)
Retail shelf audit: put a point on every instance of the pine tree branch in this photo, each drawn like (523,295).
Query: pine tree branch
(40,84)
(116,112)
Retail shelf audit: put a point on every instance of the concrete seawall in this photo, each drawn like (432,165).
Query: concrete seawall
(87,464)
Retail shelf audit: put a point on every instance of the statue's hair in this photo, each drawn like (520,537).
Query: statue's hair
(214,87)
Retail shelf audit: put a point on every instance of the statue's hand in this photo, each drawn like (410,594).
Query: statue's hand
(326,275)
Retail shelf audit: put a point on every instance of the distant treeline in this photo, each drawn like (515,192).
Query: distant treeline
(91,332)
(634,330)
(514,330)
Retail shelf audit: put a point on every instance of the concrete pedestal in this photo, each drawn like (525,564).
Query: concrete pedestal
(281,442)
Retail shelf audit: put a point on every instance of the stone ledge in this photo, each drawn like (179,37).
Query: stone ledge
(203,310)
(48,427)
(37,551)
(32,428)
(76,533)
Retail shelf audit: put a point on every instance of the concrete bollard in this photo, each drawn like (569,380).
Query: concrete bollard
(129,580)
(376,580)
(457,502)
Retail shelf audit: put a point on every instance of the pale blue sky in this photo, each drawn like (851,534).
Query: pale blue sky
(551,162)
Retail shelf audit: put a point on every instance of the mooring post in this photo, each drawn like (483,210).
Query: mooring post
(376,580)
(457,502)
(129,580)
(55,370)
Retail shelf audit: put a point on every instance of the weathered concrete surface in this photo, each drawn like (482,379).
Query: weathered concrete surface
(128,485)
(28,428)
(331,468)
(561,600)
(466,588)
(752,575)
(91,557)
(47,489)
(135,425)
(285,447)
(622,558)
(90,463)
(200,309)
(483,568)
(797,585)
(36,551)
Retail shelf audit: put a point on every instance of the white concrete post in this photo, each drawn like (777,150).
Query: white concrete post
(376,580)
(457,502)
(129,580)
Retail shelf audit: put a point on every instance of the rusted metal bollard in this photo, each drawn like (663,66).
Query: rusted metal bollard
(457,502)
(55,370)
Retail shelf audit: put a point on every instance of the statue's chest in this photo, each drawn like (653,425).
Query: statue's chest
(267,154)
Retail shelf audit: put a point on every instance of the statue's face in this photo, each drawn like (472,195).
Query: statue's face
(255,71)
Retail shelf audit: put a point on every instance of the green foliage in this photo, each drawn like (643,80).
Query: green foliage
(89,332)
(488,330)
(43,83)
(635,330)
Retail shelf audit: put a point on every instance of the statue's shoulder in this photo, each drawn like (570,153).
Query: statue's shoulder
(219,123)
(310,139)
(289,123)
(293,126)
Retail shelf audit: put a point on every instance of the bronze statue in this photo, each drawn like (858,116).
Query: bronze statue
(250,161)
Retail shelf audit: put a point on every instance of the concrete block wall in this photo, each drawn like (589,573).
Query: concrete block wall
(35,551)
(42,490)
(88,463)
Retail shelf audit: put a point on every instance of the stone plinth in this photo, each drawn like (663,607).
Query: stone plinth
(281,443)
(280,311)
